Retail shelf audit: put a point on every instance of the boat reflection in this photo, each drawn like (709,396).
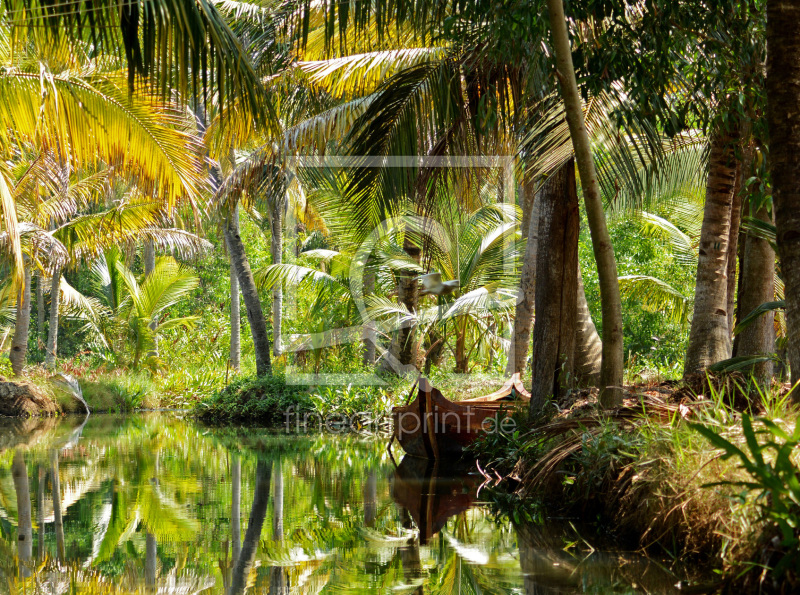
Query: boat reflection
(432,491)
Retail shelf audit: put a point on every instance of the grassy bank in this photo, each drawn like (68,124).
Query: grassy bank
(694,478)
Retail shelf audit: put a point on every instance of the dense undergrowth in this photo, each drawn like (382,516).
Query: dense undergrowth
(693,478)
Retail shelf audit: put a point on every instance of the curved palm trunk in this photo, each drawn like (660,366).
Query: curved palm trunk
(402,347)
(523,315)
(611,373)
(236,508)
(255,315)
(783,111)
(19,473)
(556,289)
(588,346)
(19,343)
(258,513)
(737,239)
(757,287)
(58,519)
(236,321)
(52,332)
(709,337)
(276,251)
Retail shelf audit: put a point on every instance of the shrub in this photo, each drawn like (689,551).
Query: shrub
(262,399)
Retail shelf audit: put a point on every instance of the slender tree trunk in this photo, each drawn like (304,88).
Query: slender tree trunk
(757,287)
(523,315)
(236,321)
(612,369)
(236,508)
(19,343)
(59,521)
(588,346)
(52,332)
(733,245)
(709,337)
(783,118)
(276,251)
(150,562)
(369,327)
(278,585)
(149,257)
(19,473)
(370,498)
(40,316)
(462,363)
(255,315)
(408,294)
(40,488)
(403,344)
(556,288)
(258,513)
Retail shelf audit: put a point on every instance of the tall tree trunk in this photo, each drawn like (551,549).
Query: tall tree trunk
(19,343)
(523,315)
(150,562)
(52,332)
(149,257)
(236,508)
(733,244)
(40,489)
(278,585)
(757,287)
(369,327)
(258,513)
(236,320)
(276,251)
(370,498)
(588,346)
(556,288)
(783,118)
(403,347)
(255,315)
(40,315)
(59,520)
(612,367)
(709,337)
(19,473)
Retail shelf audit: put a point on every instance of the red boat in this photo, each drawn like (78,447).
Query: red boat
(434,427)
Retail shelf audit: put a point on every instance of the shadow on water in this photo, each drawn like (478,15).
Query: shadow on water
(156,504)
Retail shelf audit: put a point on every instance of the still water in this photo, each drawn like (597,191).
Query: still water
(155,503)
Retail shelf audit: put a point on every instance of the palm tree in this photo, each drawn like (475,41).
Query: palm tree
(144,303)
(255,523)
(709,337)
(19,472)
(783,65)
(611,372)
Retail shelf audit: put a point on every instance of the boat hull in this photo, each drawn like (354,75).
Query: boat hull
(433,427)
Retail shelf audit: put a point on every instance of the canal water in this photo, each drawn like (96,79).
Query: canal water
(155,503)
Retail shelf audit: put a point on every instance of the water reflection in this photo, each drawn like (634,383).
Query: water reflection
(155,504)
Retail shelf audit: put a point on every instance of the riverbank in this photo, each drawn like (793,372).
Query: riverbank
(691,474)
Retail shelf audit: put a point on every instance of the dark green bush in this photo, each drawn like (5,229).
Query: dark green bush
(263,400)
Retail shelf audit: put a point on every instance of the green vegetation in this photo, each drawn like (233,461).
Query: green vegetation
(246,209)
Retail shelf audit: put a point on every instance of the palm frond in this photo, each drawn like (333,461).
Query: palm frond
(656,296)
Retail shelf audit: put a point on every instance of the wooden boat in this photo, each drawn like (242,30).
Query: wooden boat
(433,427)
(430,495)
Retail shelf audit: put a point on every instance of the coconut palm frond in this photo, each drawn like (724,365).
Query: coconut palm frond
(96,122)
(656,296)
(765,308)
(760,229)
(177,44)
(8,218)
(683,247)
(490,297)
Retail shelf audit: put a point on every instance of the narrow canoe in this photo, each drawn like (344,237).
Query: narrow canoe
(433,427)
